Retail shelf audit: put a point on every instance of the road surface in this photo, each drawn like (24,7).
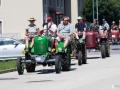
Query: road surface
(97,74)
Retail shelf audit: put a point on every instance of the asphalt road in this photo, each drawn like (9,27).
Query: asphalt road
(97,74)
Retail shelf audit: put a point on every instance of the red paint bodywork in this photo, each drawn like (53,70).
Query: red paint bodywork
(91,39)
(114,34)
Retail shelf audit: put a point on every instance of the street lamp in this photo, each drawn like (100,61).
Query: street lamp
(96,9)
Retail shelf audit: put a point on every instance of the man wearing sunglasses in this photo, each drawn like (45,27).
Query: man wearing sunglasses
(64,32)
(80,28)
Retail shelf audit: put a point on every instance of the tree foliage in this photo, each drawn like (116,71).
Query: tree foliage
(107,9)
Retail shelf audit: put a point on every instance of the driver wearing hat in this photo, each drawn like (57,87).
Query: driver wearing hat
(31,31)
(52,29)
(80,28)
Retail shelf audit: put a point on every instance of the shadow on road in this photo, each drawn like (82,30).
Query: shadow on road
(45,71)
(93,57)
(115,49)
(73,64)
(48,71)
(8,78)
(39,81)
(72,69)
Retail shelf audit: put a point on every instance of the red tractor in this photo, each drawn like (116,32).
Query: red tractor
(115,36)
(104,42)
(100,41)
(119,29)
(92,40)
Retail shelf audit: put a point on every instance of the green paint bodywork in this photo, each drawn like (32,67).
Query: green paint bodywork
(60,45)
(40,44)
(80,40)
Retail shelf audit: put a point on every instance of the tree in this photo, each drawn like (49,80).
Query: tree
(108,9)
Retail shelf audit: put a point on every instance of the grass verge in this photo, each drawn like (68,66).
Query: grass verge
(7,64)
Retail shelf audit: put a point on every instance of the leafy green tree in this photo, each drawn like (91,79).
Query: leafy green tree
(107,9)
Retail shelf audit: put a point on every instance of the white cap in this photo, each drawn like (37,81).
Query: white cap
(79,17)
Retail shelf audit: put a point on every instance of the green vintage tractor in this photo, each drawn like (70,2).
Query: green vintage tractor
(39,54)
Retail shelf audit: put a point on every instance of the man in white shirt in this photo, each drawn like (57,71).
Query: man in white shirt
(52,28)
(105,24)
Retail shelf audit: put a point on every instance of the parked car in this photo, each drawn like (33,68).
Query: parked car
(11,48)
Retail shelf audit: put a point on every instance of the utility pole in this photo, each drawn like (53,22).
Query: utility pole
(93,9)
(97,9)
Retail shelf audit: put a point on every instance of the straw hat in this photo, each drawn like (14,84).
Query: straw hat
(32,19)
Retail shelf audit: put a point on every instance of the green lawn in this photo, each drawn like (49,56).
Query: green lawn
(9,64)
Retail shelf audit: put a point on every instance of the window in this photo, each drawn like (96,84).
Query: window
(0,27)
(7,42)
(79,3)
(62,3)
(0,3)
(45,2)
(58,3)
(1,43)
(50,2)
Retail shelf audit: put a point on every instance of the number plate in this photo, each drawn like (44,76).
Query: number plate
(38,59)
(113,35)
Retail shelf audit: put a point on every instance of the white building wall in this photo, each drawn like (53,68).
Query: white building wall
(15,13)
(74,11)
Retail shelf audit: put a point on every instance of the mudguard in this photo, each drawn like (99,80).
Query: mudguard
(60,45)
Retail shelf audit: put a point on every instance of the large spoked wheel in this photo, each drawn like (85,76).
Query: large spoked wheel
(66,62)
(103,52)
(58,64)
(20,66)
(84,57)
(108,50)
(30,67)
(80,58)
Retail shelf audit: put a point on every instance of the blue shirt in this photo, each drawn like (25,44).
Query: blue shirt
(66,30)
(80,27)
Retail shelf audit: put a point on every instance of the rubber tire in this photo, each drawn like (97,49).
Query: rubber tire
(76,57)
(103,53)
(80,58)
(84,58)
(65,63)
(108,52)
(19,67)
(57,64)
(30,67)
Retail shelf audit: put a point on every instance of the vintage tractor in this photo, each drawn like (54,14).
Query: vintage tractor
(92,39)
(39,54)
(104,42)
(81,50)
(115,36)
